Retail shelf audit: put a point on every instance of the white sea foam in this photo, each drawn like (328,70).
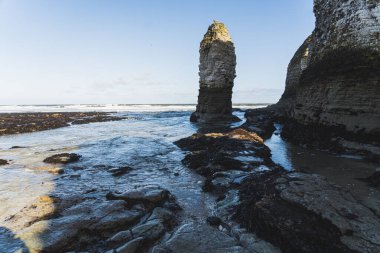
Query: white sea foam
(108,107)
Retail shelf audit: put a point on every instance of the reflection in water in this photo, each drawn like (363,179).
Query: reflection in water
(342,170)
(279,149)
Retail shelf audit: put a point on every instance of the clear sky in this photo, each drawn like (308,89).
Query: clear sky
(141,51)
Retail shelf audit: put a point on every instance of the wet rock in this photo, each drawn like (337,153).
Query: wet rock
(305,213)
(145,195)
(214,221)
(63,158)
(86,223)
(160,221)
(84,219)
(14,123)
(215,152)
(3,162)
(374,179)
(254,244)
(131,246)
(216,76)
(119,171)
(57,171)
(192,238)
(261,121)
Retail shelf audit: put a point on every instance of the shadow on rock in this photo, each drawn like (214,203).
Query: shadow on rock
(10,243)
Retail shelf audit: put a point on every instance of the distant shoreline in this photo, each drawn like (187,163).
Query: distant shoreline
(234,104)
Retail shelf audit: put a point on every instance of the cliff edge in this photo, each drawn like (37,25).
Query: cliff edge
(332,92)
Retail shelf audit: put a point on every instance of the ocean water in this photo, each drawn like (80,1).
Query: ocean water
(110,107)
(145,143)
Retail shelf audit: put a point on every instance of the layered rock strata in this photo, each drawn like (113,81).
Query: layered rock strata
(332,90)
(216,75)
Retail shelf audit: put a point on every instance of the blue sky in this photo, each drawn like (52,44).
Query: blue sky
(141,51)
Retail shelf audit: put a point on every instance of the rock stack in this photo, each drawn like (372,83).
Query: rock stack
(216,75)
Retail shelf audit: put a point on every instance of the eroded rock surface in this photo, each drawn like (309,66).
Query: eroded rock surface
(333,86)
(294,211)
(84,222)
(305,213)
(192,238)
(216,75)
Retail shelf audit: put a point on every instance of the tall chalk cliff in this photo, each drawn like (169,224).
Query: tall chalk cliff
(216,75)
(333,82)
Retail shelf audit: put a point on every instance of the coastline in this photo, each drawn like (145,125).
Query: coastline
(117,159)
(16,123)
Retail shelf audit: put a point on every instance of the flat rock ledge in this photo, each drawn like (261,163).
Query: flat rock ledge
(297,212)
(118,222)
(16,123)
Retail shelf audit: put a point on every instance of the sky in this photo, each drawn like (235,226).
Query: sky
(142,51)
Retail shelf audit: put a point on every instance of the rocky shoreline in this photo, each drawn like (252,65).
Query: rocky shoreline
(297,212)
(15,123)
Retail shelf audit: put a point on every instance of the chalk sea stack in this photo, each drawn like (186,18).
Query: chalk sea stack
(216,76)
(332,94)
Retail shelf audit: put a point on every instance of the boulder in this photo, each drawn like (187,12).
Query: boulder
(193,237)
(63,158)
(3,162)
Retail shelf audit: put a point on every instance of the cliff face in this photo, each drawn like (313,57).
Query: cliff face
(333,81)
(216,75)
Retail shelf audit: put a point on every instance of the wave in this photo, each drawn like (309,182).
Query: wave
(109,107)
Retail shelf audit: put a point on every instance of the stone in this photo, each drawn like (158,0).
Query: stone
(160,221)
(84,219)
(216,76)
(332,86)
(261,121)
(131,246)
(215,152)
(190,238)
(3,162)
(254,244)
(301,212)
(147,195)
(374,179)
(119,171)
(63,158)
(56,170)
(15,123)
(214,221)
(74,222)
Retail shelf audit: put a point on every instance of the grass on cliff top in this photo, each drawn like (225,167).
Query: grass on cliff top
(216,31)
